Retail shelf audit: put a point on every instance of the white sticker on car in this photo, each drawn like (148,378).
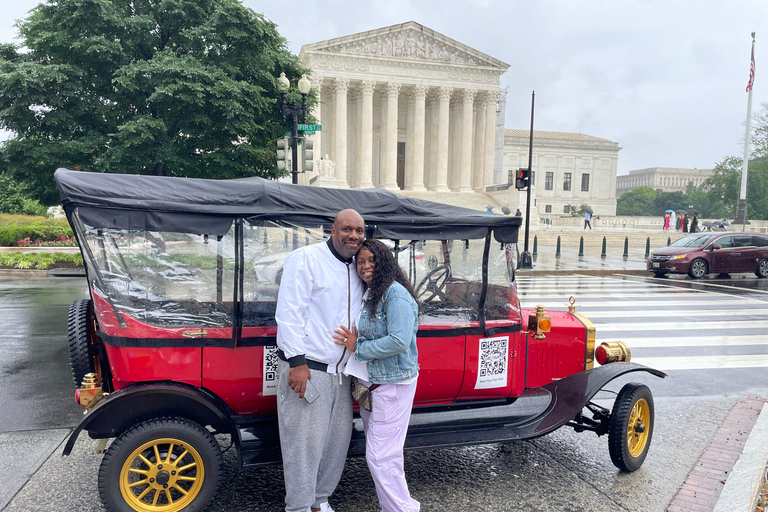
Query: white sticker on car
(492,362)
(270,371)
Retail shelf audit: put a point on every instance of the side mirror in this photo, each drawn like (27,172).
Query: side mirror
(717,247)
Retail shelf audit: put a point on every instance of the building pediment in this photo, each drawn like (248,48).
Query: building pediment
(409,41)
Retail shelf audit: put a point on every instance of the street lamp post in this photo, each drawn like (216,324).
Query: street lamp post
(295,112)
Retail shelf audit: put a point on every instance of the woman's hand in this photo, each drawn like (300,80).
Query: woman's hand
(345,337)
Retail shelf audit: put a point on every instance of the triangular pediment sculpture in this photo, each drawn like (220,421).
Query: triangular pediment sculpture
(406,41)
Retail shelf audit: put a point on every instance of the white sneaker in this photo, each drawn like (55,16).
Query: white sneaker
(324,507)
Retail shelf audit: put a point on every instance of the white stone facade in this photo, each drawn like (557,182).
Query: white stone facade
(405,108)
(570,169)
(668,179)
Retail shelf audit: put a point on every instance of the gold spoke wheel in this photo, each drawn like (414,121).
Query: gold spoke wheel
(161,465)
(162,475)
(631,427)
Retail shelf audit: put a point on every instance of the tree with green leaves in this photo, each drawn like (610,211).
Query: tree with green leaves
(165,87)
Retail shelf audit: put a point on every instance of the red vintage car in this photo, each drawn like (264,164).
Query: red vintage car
(178,339)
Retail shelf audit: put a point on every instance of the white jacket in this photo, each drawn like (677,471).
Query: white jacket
(318,293)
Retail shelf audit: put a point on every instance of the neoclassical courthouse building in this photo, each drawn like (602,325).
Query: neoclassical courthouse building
(408,109)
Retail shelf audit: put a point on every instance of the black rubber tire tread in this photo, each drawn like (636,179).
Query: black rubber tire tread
(179,428)
(617,432)
(690,269)
(660,274)
(757,270)
(81,352)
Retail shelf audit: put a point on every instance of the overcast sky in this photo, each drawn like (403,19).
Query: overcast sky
(665,79)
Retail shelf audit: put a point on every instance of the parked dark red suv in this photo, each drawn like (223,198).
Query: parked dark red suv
(704,253)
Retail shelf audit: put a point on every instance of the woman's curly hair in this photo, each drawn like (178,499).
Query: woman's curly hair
(386,272)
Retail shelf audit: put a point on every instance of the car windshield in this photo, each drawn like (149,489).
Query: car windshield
(691,241)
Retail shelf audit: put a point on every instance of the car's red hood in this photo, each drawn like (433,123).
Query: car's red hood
(668,251)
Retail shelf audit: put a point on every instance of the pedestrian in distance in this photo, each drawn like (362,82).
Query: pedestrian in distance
(685,223)
(320,290)
(694,223)
(666,221)
(679,223)
(385,340)
(518,213)
(587,219)
(505,210)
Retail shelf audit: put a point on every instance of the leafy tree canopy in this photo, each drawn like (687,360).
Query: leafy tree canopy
(167,87)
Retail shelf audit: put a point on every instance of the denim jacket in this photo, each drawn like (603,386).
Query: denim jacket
(387,341)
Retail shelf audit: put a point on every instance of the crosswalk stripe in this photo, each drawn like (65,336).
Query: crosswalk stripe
(681,324)
(590,305)
(670,312)
(703,362)
(689,341)
(579,295)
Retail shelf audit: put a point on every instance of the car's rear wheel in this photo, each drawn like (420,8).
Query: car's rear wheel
(659,274)
(82,339)
(161,465)
(631,428)
(698,269)
(762,269)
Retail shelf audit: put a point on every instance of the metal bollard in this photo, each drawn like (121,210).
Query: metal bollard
(535,245)
(647,247)
(602,255)
(581,246)
(626,247)
(557,252)
(669,240)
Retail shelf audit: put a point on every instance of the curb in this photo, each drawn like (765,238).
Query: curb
(586,272)
(737,454)
(742,487)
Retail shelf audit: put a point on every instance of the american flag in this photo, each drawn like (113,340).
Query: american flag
(751,70)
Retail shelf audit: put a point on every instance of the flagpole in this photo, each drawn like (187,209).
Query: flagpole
(741,211)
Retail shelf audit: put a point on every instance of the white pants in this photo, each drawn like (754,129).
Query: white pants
(385,430)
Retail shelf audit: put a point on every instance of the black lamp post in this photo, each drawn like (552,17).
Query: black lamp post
(296,112)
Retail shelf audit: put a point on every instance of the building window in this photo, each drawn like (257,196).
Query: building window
(567,182)
(567,208)
(585,182)
(548,208)
(549,181)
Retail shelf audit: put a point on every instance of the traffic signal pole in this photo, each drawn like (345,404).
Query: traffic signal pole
(526,261)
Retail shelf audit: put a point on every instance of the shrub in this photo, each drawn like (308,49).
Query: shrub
(10,235)
(41,261)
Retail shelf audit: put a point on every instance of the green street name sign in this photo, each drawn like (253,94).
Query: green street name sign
(310,127)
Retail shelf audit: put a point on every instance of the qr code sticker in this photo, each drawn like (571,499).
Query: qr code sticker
(492,363)
(270,371)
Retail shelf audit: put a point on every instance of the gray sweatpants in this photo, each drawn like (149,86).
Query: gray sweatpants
(314,438)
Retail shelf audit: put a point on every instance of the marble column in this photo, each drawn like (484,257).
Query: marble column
(366,135)
(490,138)
(478,164)
(468,98)
(431,160)
(410,97)
(416,139)
(389,160)
(317,85)
(341,87)
(443,120)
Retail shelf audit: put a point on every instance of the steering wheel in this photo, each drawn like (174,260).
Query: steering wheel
(433,284)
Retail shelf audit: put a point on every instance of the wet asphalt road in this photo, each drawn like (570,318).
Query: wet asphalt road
(564,471)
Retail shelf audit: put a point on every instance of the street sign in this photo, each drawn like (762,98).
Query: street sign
(310,127)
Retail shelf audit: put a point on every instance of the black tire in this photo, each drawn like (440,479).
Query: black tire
(81,336)
(698,269)
(660,274)
(177,441)
(631,428)
(762,269)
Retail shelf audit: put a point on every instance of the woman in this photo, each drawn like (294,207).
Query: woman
(387,344)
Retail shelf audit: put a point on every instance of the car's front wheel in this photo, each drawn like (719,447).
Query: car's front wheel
(161,465)
(698,269)
(659,274)
(631,427)
(762,269)
(82,340)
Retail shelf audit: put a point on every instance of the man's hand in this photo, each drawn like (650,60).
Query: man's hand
(298,377)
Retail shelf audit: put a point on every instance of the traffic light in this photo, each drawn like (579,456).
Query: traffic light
(521,179)
(307,154)
(282,155)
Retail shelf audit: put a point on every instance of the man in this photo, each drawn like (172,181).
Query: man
(319,291)
(587,219)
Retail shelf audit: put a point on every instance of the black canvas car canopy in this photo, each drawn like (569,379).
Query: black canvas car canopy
(162,203)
